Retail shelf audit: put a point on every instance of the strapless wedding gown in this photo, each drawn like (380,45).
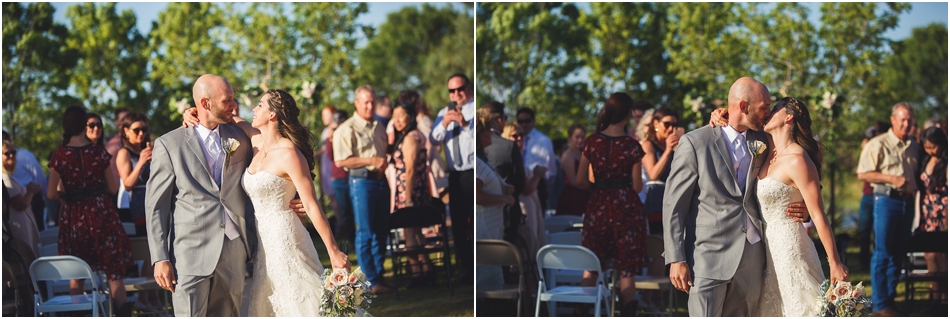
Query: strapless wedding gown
(287,271)
(792,270)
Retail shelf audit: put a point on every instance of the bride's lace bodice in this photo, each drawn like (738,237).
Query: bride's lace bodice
(286,279)
(793,272)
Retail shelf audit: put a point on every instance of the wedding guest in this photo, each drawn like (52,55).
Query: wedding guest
(412,185)
(491,196)
(133,162)
(384,109)
(889,162)
(22,223)
(454,129)
(538,151)
(89,225)
(94,128)
(640,109)
(326,184)
(532,229)
(614,223)
(933,209)
(866,208)
(114,141)
(573,200)
(424,125)
(556,184)
(505,157)
(28,170)
(343,211)
(661,138)
(359,146)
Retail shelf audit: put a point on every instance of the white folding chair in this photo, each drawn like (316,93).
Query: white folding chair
(66,268)
(49,236)
(140,253)
(49,250)
(565,276)
(556,224)
(565,238)
(655,250)
(574,258)
(500,253)
(129,228)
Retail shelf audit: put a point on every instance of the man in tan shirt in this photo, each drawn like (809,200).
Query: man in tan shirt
(359,147)
(889,162)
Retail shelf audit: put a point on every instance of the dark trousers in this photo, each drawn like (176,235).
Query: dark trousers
(461,208)
(865,223)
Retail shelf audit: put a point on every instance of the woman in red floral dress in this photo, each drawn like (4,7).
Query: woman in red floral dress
(412,184)
(614,222)
(89,224)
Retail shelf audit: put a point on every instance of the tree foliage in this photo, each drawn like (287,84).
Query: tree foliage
(527,54)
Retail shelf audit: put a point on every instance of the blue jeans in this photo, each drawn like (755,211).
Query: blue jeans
(344,217)
(865,225)
(892,220)
(370,198)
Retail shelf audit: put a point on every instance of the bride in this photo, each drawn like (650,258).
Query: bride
(287,271)
(791,173)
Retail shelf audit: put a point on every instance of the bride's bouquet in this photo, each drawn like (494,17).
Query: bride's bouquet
(344,293)
(843,300)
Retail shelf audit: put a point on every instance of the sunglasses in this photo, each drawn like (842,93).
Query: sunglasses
(458,89)
(94,125)
(525,121)
(9,153)
(669,124)
(516,136)
(138,130)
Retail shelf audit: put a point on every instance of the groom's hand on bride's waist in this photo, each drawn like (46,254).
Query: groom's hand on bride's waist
(297,206)
(680,276)
(165,275)
(798,212)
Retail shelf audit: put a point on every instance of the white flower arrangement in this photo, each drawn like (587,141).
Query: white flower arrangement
(229,145)
(843,300)
(757,148)
(344,293)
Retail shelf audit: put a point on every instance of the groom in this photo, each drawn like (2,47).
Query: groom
(196,210)
(711,221)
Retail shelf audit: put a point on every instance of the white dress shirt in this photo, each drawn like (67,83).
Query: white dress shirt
(445,135)
(539,151)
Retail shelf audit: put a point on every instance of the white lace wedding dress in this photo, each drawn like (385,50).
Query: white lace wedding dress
(286,280)
(792,270)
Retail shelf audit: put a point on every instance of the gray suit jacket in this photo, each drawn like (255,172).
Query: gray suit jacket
(704,211)
(183,205)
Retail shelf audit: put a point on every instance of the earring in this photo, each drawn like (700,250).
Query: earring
(656,129)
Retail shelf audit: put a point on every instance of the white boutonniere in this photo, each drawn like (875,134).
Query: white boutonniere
(757,148)
(230,145)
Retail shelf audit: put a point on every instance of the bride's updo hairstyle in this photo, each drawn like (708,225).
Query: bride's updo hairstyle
(801,132)
(617,109)
(289,126)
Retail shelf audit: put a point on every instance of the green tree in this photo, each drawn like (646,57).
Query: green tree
(35,76)
(111,69)
(527,54)
(789,43)
(708,46)
(417,48)
(916,72)
(628,53)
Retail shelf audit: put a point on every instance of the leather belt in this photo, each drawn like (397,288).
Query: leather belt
(612,183)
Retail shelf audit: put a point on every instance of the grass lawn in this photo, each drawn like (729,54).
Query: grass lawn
(428,302)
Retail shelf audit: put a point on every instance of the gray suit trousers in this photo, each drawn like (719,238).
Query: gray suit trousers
(216,295)
(736,297)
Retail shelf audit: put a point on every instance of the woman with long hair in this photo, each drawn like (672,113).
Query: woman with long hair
(412,184)
(660,138)
(133,162)
(933,206)
(94,128)
(614,223)
(573,200)
(491,196)
(89,226)
(532,230)
(287,269)
(790,174)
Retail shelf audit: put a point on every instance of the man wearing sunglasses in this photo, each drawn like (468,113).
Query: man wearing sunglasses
(454,129)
